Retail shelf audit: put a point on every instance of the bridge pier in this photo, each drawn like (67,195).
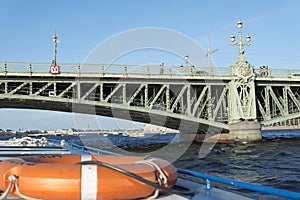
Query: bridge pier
(245,131)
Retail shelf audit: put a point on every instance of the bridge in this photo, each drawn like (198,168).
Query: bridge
(190,100)
(239,99)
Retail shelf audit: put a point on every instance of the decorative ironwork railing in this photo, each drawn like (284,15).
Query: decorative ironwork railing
(23,67)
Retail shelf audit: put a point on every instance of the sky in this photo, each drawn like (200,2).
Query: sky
(27,28)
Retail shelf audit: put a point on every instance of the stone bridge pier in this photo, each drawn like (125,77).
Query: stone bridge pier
(245,131)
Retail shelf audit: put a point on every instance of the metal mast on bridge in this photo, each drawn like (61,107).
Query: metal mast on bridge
(54,68)
(55,47)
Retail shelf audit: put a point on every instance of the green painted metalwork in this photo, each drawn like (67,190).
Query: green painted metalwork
(101,70)
(242,103)
(198,99)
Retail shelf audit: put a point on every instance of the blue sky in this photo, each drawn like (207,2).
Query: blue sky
(27,29)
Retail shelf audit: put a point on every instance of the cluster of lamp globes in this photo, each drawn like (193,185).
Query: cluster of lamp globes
(232,37)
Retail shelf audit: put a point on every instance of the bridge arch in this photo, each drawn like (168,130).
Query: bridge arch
(144,115)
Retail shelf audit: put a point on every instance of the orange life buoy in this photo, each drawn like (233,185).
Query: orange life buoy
(63,177)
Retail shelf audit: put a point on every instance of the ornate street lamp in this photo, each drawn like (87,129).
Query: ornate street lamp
(186,58)
(240,42)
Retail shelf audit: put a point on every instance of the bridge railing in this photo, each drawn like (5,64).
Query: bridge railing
(114,69)
(31,68)
(277,73)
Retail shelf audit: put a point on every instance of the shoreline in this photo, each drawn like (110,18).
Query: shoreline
(279,128)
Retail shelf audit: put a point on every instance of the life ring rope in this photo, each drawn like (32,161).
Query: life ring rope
(186,191)
(5,193)
(14,181)
(161,177)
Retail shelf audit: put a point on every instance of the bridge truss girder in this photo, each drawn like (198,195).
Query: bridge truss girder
(278,104)
(198,104)
(170,102)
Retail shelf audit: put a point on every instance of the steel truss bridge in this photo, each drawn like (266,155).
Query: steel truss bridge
(187,98)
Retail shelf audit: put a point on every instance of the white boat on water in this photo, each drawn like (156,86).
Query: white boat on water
(53,169)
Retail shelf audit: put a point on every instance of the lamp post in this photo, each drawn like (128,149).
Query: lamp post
(242,109)
(240,42)
(186,58)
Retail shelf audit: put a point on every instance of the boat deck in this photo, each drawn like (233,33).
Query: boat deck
(201,193)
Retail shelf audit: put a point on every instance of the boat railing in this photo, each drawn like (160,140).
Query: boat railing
(84,148)
(242,185)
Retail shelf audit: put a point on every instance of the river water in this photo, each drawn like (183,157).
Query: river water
(274,161)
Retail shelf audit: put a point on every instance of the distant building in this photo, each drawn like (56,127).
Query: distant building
(51,132)
(149,128)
